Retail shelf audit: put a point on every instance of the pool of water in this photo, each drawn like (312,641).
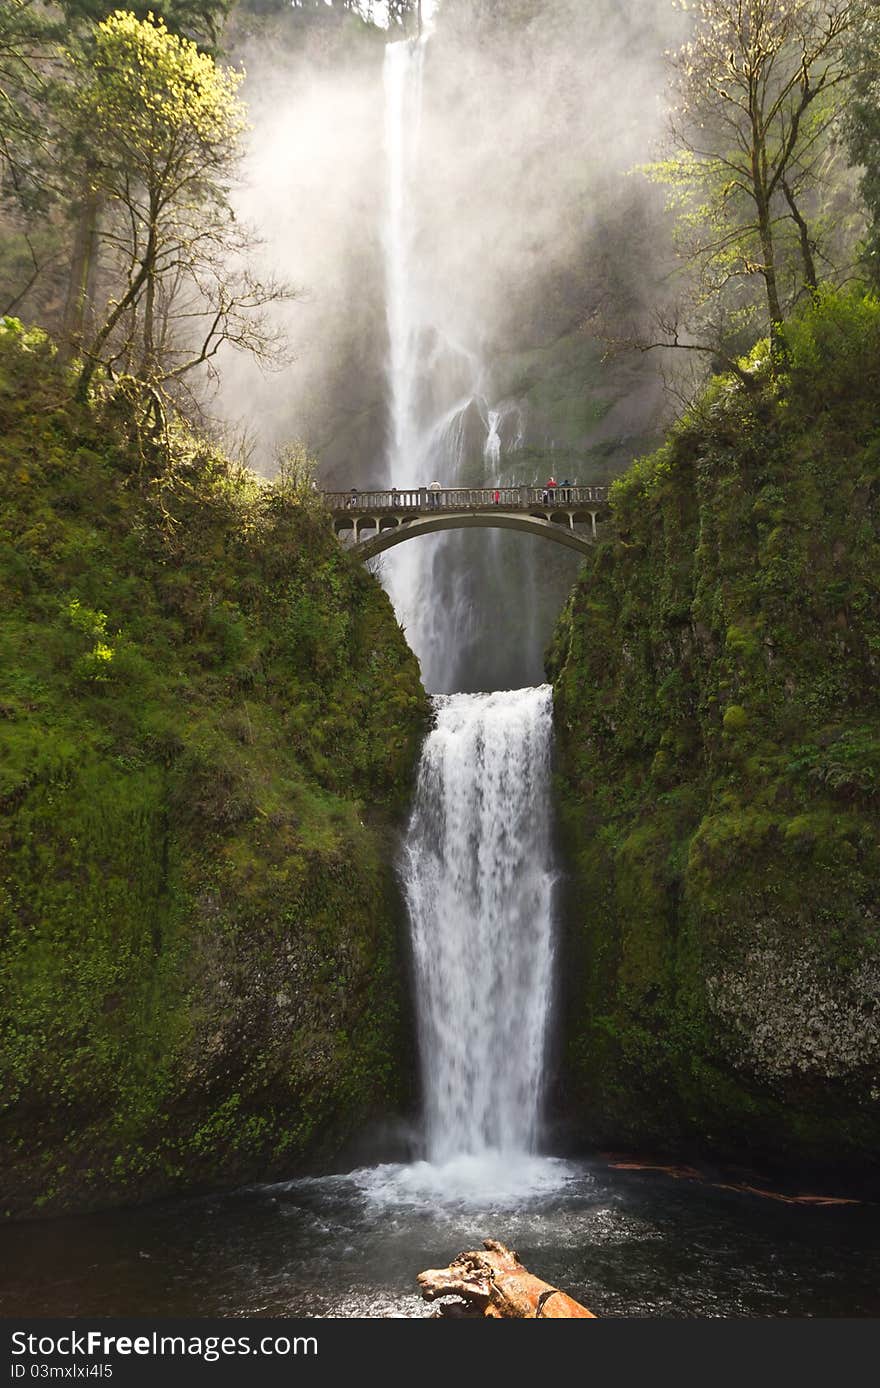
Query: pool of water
(626,1243)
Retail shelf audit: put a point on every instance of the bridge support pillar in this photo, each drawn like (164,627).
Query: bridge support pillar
(593,519)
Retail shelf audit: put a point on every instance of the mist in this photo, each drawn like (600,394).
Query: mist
(526,207)
(524,218)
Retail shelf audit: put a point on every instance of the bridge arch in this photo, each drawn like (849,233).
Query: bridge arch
(396,533)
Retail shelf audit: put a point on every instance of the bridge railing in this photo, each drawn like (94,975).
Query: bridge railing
(463,498)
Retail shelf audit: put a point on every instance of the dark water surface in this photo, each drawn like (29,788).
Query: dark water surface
(624,1243)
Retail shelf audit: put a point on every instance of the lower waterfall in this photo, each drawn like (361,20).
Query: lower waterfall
(479,880)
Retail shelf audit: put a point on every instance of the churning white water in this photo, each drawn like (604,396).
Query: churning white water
(479,881)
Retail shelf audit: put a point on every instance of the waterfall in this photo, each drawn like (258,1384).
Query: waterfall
(475,606)
(404,69)
(477,865)
(430,377)
(479,879)
(438,416)
(506,418)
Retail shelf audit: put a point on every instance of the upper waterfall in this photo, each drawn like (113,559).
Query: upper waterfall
(440,423)
(457,599)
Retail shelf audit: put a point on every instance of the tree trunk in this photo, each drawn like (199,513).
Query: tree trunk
(149,353)
(811,279)
(761,195)
(494,1283)
(148,360)
(768,270)
(79,305)
(128,301)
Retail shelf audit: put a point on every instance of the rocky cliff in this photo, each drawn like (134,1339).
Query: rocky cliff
(208,723)
(718,724)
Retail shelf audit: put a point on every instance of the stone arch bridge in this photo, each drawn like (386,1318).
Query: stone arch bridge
(378,520)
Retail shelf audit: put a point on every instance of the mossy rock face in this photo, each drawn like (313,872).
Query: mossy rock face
(209,721)
(718,726)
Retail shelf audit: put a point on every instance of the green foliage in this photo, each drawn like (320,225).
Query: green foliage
(296,478)
(96,664)
(150,96)
(199,20)
(847,763)
(861,123)
(833,343)
(208,722)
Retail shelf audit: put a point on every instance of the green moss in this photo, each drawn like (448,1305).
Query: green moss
(735,719)
(718,718)
(209,721)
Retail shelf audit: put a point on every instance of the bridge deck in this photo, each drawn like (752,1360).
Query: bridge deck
(422,500)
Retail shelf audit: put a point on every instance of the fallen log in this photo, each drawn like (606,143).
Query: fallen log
(494,1283)
(691,1173)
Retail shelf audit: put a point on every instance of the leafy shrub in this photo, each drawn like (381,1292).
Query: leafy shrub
(833,345)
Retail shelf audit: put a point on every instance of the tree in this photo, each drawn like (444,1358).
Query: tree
(165,123)
(402,12)
(862,123)
(199,20)
(26,43)
(29,61)
(752,114)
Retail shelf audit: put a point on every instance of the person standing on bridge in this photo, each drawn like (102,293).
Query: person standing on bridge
(434,489)
(353,499)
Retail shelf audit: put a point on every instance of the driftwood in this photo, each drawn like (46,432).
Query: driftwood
(495,1283)
(690,1173)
